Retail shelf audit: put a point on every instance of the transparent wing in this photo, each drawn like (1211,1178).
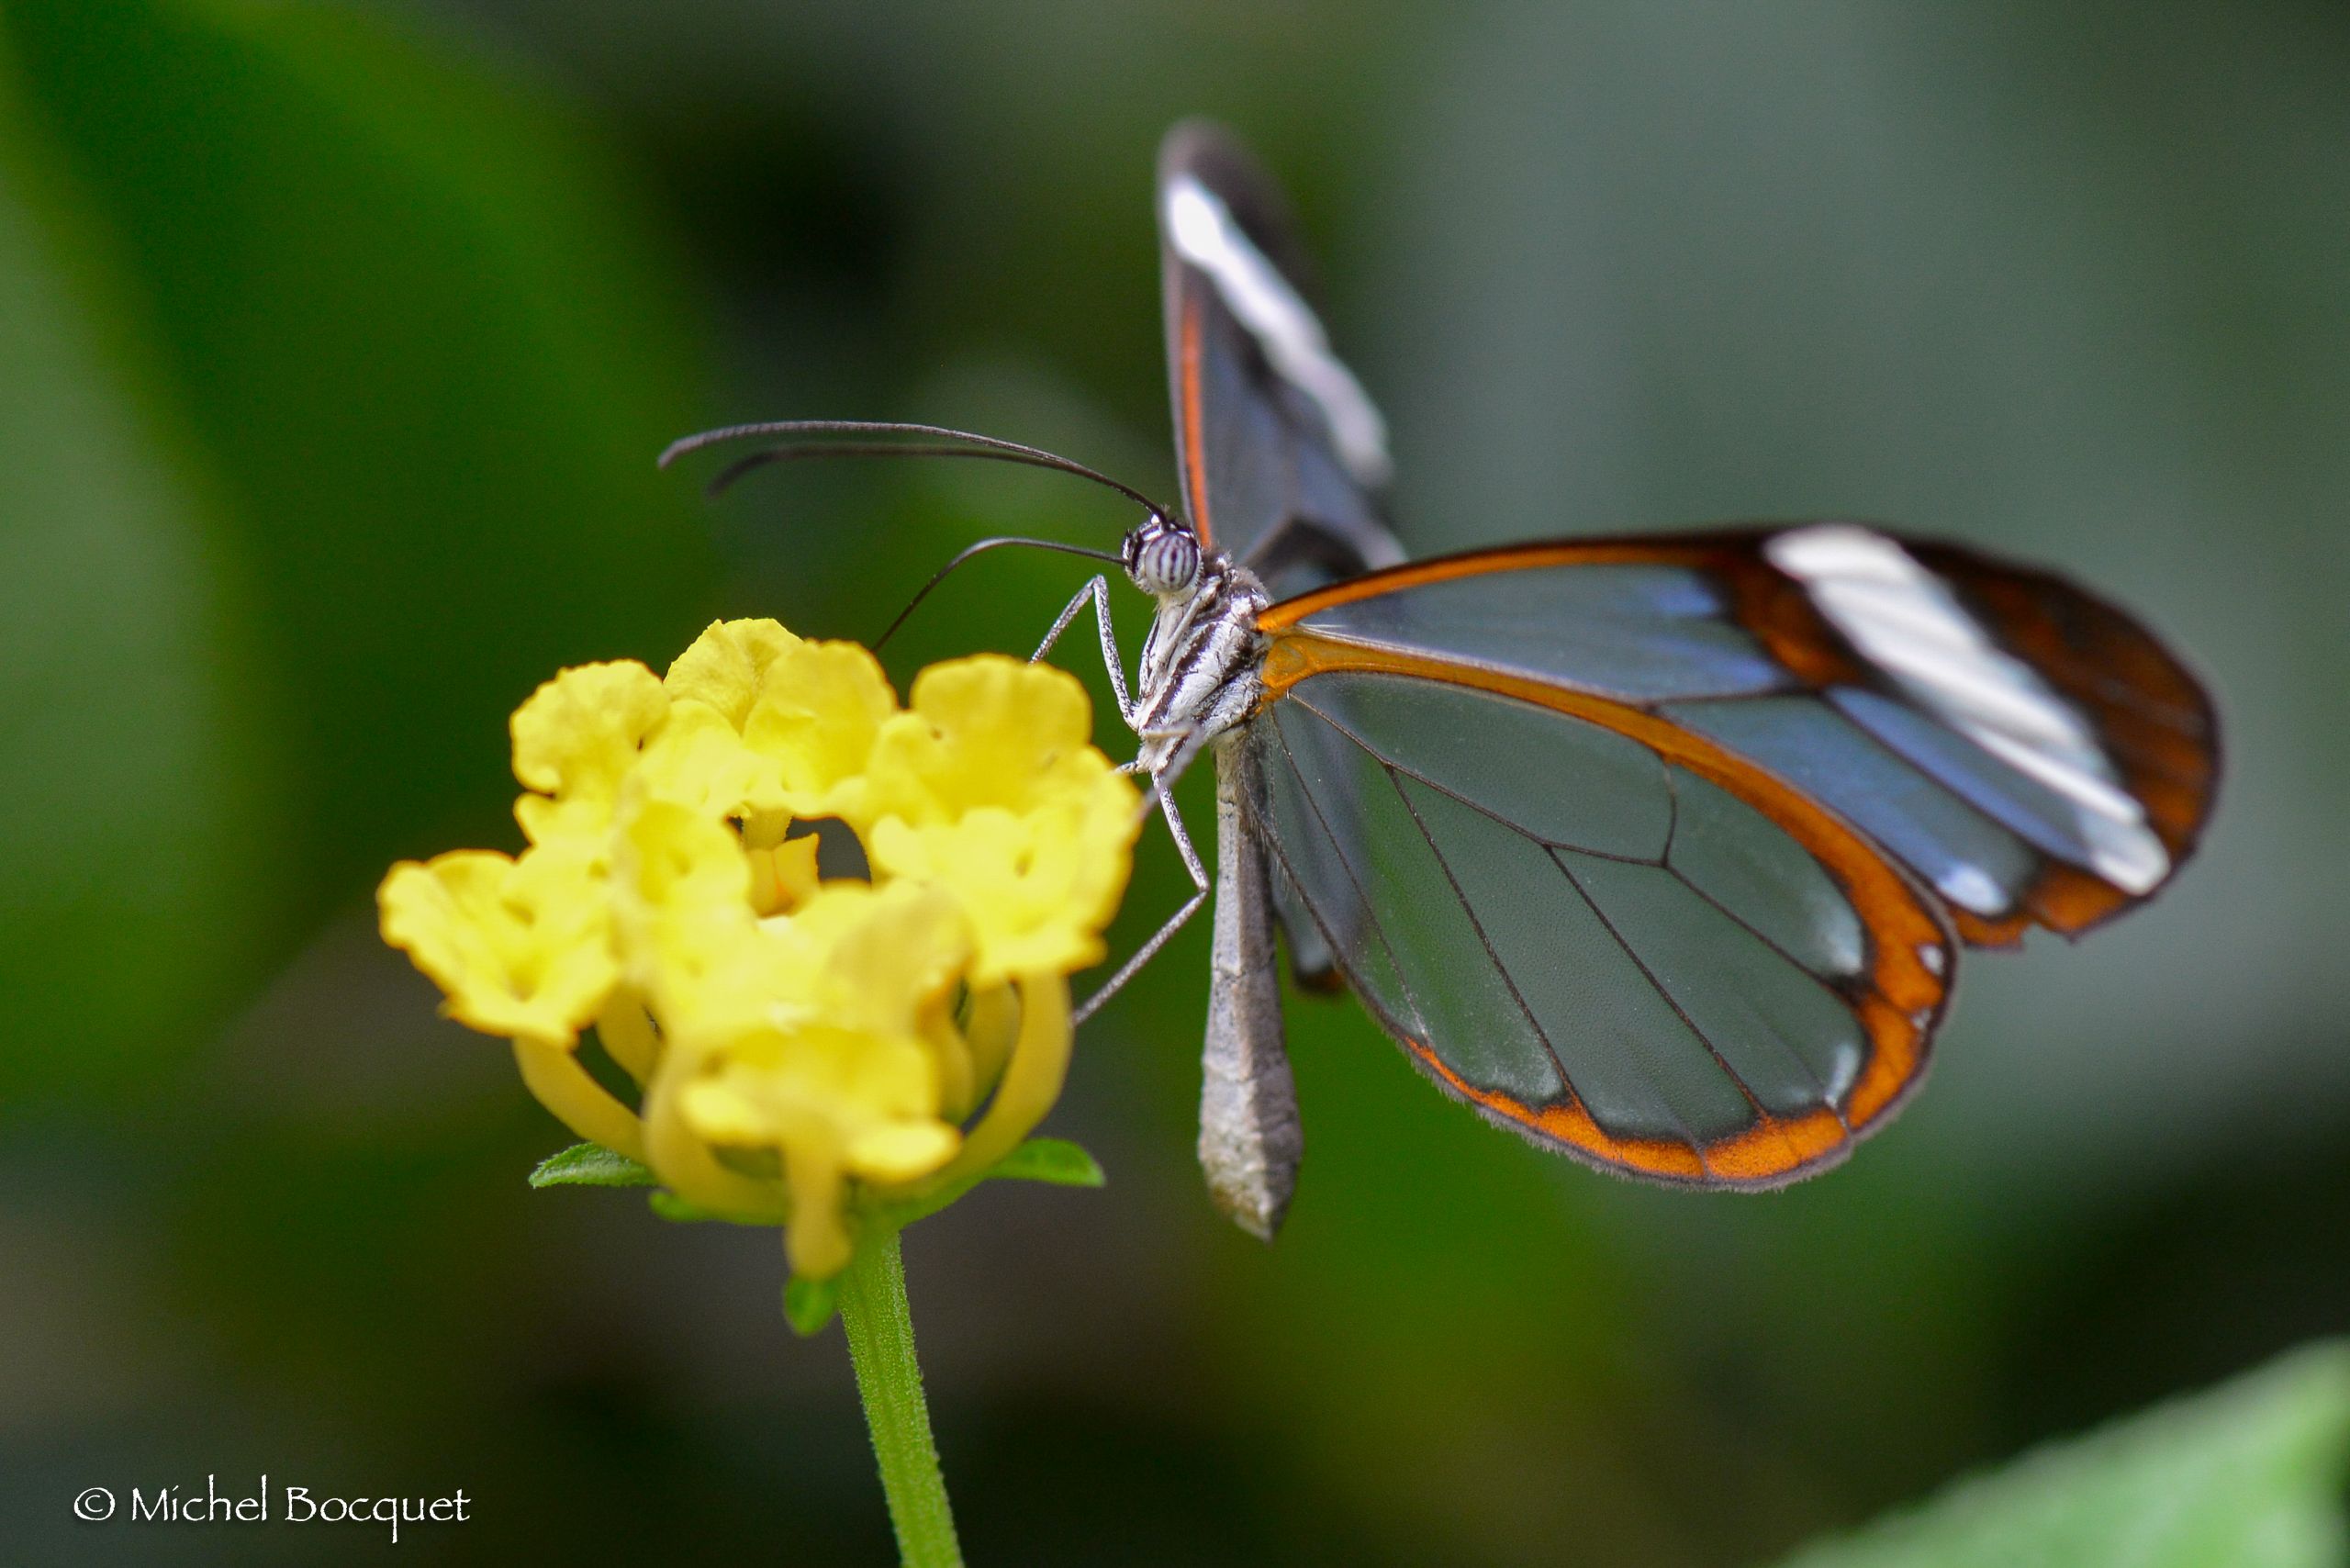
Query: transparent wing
(2028,751)
(1604,931)
(1282,454)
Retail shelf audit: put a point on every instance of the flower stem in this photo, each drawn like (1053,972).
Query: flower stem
(880,1332)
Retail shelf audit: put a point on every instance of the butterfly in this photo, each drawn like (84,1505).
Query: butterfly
(1658,850)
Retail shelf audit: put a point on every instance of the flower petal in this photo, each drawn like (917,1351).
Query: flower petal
(874,958)
(681,897)
(575,739)
(816,717)
(698,761)
(727,665)
(902,1151)
(984,731)
(1037,887)
(522,948)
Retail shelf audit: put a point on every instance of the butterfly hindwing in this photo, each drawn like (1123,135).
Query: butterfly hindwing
(1604,931)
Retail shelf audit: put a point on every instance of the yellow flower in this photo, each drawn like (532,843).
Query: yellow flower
(681,900)
(783,875)
(727,665)
(575,740)
(797,1041)
(875,958)
(986,730)
(697,760)
(807,1041)
(988,787)
(830,1102)
(816,719)
(522,948)
(806,711)
(879,960)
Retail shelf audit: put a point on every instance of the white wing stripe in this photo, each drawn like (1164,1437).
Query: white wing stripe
(1974,682)
(2095,795)
(1253,289)
(1902,618)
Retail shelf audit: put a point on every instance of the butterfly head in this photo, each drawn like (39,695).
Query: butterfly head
(1162,558)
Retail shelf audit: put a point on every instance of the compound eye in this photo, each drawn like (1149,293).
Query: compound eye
(1178,561)
(1182,560)
(1162,560)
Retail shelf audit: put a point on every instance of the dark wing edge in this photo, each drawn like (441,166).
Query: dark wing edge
(2151,714)
(1899,997)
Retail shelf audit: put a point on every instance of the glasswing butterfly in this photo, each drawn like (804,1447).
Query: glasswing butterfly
(1659,850)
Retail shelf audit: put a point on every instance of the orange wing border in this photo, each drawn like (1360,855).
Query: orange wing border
(1192,430)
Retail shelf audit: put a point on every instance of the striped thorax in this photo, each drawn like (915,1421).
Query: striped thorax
(1199,672)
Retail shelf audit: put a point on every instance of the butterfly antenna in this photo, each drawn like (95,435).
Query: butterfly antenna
(872,438)
(984,545)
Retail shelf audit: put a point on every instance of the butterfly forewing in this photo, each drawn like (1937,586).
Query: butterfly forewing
(2153,720)
(2028,751)
(1281,453)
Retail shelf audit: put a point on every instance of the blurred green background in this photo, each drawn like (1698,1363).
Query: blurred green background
(336,343)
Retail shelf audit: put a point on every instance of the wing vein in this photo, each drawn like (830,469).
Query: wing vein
(1822,981)
(1509,981)
(1370,917)
(1479,807)
(1665,994)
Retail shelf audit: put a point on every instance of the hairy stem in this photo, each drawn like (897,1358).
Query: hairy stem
(880,1332)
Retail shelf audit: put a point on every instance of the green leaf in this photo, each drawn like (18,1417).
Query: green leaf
(591,1165)
(668,1205)
(808,1304)
(1052,1160)
(2248,1475)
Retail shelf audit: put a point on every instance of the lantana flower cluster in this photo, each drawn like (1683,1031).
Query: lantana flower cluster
(802,1046)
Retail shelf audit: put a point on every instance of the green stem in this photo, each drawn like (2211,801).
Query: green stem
(881,1345)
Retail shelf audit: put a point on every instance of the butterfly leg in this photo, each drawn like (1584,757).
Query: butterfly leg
(1098,590)
(1165,804)
(1190,741)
